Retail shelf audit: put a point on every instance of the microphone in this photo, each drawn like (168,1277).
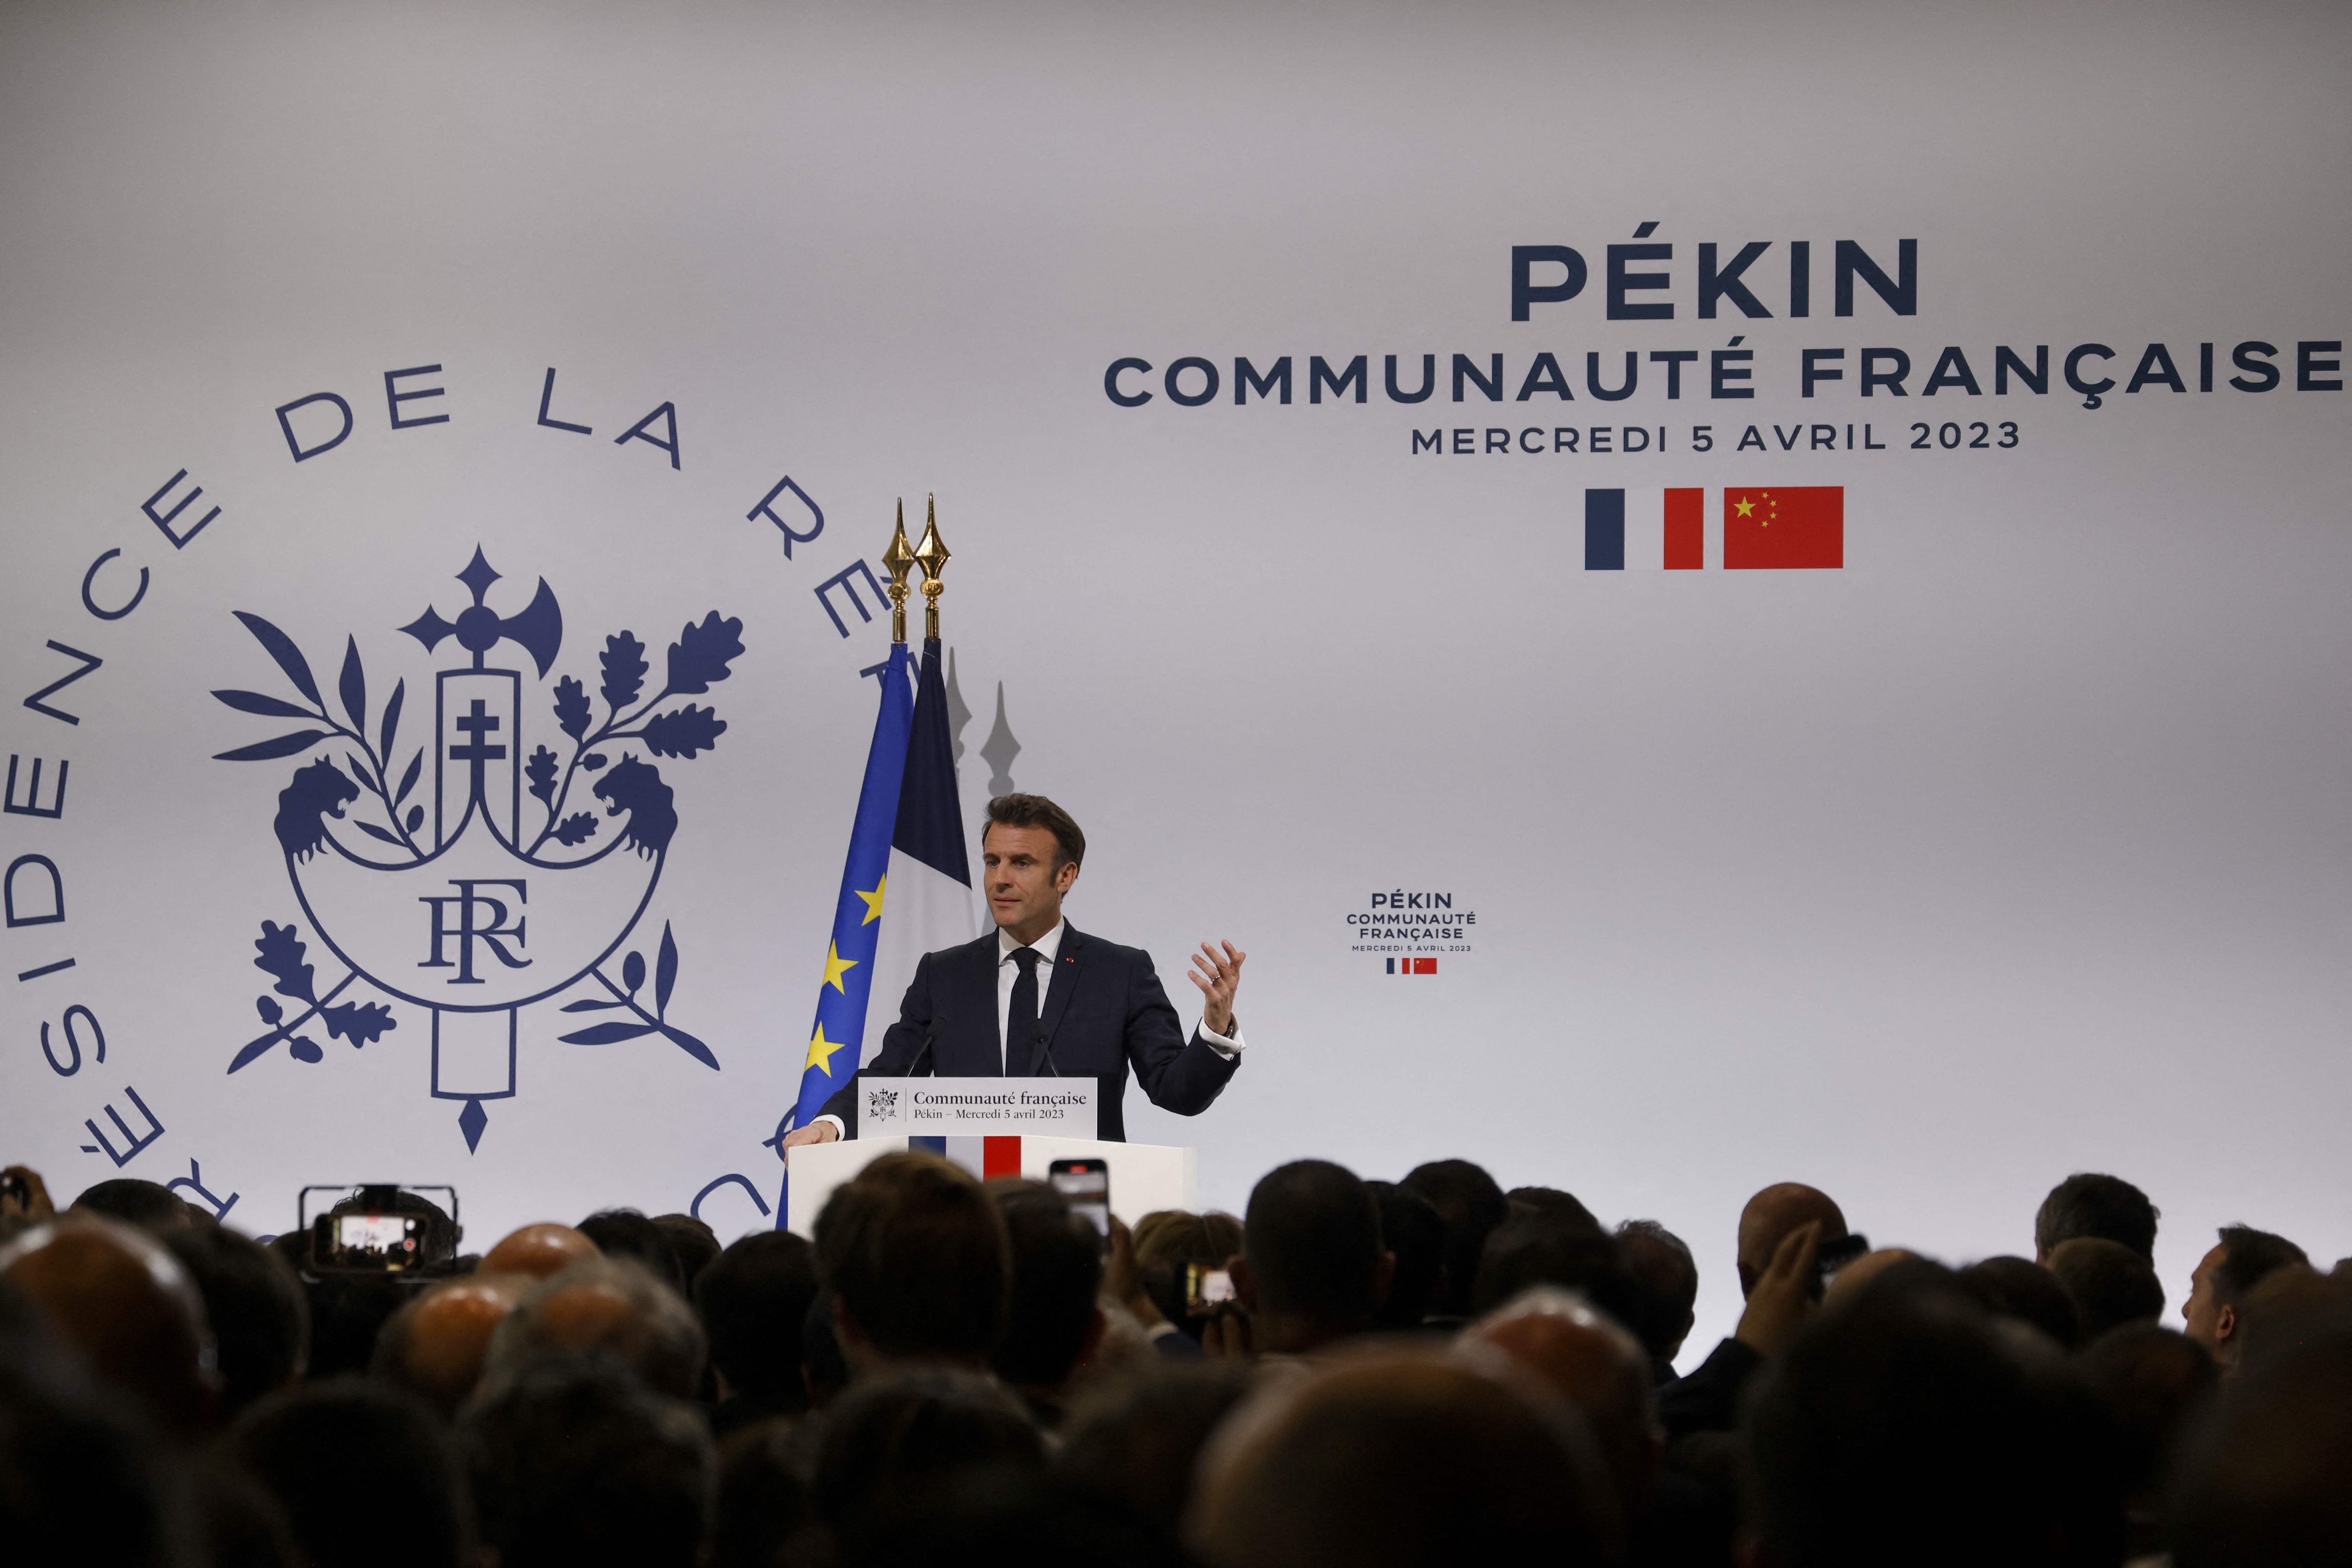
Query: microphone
(930,1039)
(1045,1044)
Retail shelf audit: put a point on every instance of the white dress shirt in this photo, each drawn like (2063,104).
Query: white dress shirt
(1049,948)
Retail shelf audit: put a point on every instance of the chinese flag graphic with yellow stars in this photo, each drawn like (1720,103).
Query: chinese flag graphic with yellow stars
(1798,526)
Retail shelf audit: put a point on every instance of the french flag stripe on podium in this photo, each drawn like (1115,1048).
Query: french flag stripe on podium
(987,1158)
(1649,531)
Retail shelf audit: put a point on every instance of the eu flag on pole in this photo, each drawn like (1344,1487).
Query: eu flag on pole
(842,995)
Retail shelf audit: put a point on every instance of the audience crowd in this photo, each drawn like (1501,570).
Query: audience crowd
(1429,1371)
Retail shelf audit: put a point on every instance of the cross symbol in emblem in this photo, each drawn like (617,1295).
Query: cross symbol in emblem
(478,723)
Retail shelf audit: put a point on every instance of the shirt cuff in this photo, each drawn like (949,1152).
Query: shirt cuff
(838,1130)
(1226,1045)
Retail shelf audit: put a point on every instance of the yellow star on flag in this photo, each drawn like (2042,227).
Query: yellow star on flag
(872,902)
(820,1051)
(1745,507)
(835,966)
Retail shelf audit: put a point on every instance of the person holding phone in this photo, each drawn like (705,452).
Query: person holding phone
(1038,998)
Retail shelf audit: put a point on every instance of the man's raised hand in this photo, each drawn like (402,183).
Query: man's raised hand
(1219,975)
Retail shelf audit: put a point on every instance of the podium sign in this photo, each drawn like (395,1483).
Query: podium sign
(975,1107)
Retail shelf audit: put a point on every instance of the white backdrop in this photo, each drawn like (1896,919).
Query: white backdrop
(2014,848)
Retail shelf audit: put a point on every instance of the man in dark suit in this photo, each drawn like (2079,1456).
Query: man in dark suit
(1037,998)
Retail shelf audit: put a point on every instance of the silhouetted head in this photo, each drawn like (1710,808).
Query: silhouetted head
(2087,1204)
(573,1462)
(1667,1276)
(1397,1461)
(437,1346)
(754,1299)
(113,1293)
(626,1233)
(1908,1422)
(1769,1217)
(603,1307)
(134,1202)
(537,1250)
(1599,1368)
(1415,1233)
(1471,1204)
(2109,1284)
(2267,1481)
(2014,1288)
(2217,1291)
(364,1474)
(1314,1268)
(1053,1323)
(1554,1246)
(82,1480)
(917,1260)
(901,1430)
(694,1243)
(260,1320)
(1138,1442)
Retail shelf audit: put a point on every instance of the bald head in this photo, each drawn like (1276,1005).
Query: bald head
(436,1345)
(1597,1367)
(540,1251)
(113,1293)
(1769,1217)
(605,1307)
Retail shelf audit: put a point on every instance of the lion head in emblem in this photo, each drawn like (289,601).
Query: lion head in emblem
(318,791)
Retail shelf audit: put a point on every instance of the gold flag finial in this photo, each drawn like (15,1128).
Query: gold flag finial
(896,560)
(931,554)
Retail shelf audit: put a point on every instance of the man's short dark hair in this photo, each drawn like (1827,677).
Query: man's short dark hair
(1552,1246)
(1311,1236)
(2088,1204)
(752,1302)
(626,1233)
(260,1320)
(134,1202)
(1667,1276)
(573,1460)
(894,1435)
(694,1243)
(320,1451)
(82,1479)
(1905,1415)
(2265,1480)
(1415,1232)
(1471,1204)
(917,1257)
(1036,811)
(2021,1288)
(2249,1257)
(1057,1273)
(2111,1284)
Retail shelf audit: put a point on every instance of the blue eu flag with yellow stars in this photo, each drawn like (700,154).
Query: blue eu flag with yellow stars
(840,997)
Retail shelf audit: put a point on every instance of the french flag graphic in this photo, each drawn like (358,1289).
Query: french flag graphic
(1648,531)
(1413,966)
(1800,527)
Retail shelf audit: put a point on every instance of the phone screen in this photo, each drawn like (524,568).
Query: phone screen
(1086,1185)
(385,1233)
(1207,1286)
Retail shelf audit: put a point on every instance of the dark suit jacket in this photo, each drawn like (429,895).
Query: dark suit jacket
(1104,1013)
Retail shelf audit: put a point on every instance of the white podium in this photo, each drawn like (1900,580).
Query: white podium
(1143,1176)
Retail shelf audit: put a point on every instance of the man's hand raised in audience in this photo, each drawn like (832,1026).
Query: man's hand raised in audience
(1783,1299)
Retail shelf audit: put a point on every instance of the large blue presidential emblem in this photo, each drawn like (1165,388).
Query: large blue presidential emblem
(488,870)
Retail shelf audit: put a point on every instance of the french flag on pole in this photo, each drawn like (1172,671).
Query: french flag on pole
(1755,529)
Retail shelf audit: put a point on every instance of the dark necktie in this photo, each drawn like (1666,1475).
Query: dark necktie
(1021,1018)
